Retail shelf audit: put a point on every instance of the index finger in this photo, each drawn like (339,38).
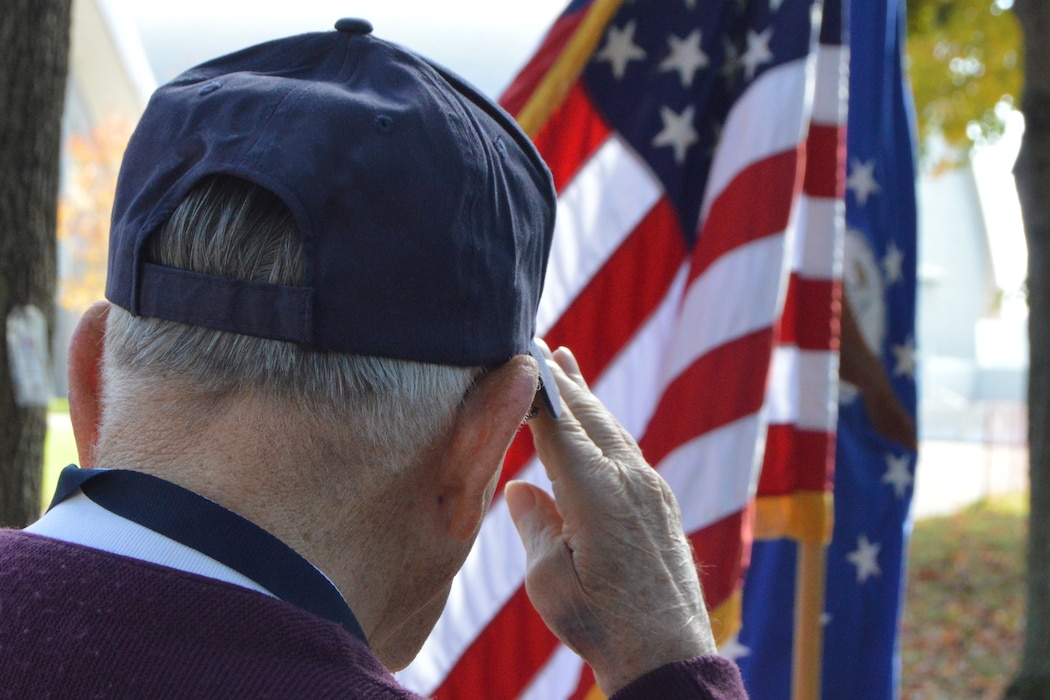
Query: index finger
(587,436)
(615,441)
(562,443)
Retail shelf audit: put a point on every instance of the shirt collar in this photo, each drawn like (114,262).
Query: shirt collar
(205,526)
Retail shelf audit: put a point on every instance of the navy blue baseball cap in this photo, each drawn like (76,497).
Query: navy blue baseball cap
(426,214)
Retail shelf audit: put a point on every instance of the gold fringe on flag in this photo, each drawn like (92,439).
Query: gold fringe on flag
(554,86)
(805,516)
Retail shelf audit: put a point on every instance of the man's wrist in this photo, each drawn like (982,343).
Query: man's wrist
(707,676)
(653,656)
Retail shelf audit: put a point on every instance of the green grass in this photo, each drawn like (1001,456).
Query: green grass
(963,620)
(60,449)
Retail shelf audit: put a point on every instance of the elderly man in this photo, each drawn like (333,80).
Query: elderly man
(325,263)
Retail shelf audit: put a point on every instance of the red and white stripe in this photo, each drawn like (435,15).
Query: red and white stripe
(701,329)
(803,388)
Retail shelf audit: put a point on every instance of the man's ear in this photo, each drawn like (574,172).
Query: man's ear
(85,380)
(487,421)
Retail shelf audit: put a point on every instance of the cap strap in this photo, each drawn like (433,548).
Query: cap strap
(237,306)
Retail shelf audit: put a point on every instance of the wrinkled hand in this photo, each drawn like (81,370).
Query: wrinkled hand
(609,568)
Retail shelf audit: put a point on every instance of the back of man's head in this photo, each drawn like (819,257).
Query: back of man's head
(387,409)
(328,222)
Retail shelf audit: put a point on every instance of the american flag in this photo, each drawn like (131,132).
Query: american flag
(874,477)
(679,154)
(794,488)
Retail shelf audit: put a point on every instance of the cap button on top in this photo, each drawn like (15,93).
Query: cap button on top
(353,25)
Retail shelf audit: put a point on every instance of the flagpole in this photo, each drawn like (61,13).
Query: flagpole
(551,91)
(807,653)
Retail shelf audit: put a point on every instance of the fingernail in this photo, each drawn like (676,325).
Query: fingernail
(569,362)
(520,499)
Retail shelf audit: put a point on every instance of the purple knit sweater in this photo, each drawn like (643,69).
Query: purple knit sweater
(81,623)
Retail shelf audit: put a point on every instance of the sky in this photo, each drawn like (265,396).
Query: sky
(485,41)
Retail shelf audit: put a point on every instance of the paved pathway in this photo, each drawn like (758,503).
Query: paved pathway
(952,475)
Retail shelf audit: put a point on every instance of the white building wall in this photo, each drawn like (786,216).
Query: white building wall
(971,310)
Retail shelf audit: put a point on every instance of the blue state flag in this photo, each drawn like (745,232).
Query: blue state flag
(873,476)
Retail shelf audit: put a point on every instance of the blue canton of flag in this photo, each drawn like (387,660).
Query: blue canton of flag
(874,477)
(666,83)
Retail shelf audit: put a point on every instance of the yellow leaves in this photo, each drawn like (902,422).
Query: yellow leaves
(84,211)
(964,58)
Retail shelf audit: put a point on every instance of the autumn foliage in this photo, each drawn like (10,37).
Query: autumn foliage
(964,617)
(84,211)
(964,59)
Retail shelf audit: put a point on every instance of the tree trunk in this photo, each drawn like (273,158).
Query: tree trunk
(34,57)
(1032,173)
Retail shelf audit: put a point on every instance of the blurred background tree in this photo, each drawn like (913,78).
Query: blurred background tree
(972,61)
(965,64)
(34,59)
(84,211)
(1032,174)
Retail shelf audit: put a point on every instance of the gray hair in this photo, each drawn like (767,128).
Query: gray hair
(228,226)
